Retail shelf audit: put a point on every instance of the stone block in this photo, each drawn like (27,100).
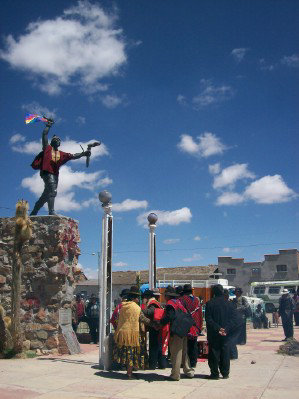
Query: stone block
(42,334)
(52,342)
(2,279)
(35,344)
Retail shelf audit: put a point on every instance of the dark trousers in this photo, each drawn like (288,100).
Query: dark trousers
(296,317)
(242,334)
(192,351)
(155,350)
(93,323)
(233,339)
(49,193)
(218,358)
(287,324)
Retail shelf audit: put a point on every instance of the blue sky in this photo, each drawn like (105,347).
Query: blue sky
(195,103)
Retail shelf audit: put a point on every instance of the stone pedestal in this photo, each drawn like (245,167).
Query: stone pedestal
(49,276)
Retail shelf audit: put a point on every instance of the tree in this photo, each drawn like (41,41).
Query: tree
(23,232)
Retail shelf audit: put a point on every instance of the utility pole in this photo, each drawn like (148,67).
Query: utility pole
(105,281)
(152,220)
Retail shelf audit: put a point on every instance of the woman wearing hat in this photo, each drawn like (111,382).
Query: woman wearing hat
(130,350)
(177,345)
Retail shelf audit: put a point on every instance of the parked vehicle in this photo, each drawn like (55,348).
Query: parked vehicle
(271,291)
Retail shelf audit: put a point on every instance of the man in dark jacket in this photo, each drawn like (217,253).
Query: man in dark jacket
(286,310)
(221,320)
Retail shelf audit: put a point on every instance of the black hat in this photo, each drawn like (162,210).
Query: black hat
(187,289)
(179,290)
(134,290)
(124,292)
(170,291)
(147,293)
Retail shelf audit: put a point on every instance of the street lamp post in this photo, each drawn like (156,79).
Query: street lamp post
(105,280)
(152,220)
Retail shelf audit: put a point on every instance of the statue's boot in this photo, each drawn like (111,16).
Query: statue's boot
(51,201)
(39,203)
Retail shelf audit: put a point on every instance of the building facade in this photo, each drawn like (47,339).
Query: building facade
(276,267)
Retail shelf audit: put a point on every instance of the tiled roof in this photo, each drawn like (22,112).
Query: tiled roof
(170,273)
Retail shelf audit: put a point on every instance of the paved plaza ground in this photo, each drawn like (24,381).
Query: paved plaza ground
(258,373)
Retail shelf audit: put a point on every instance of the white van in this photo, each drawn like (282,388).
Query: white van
(271,291)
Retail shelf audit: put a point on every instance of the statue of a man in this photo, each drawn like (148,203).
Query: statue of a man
(51,161)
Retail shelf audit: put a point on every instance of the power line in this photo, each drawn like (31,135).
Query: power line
(202,248)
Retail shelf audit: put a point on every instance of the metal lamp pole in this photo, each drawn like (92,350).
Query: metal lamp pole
(152,220)
(105,280)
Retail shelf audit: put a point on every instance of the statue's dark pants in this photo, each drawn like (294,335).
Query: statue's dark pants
(49,193)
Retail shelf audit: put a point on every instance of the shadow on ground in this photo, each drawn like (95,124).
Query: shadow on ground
(149,377)
(57,359)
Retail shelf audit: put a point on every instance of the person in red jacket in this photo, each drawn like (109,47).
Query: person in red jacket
(192,305)
(52,160)
(177,345)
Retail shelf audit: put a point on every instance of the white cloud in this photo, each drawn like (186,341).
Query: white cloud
(81,120)
(239,53)
(265,66)
(194,257)
(129,205)
(35,108)
(17,138)
(181,99)
(230,250)
(170,241)
(291,60)
(230,175)
(80,47)
(68,145)
(269,190)
(266,190)
(214,169)
(111,100)
(120,264)
(212,95)
(172,218)
(205,145)
(230,198)
(68,181)
(197,238)
(32,147)
(90,273)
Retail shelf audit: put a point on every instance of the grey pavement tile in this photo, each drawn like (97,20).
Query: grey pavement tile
(169,390)
(213,392)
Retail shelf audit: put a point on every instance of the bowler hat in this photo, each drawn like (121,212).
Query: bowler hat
(134,290)
(124,292)
(187,289)
(285,291)
(170,291)
(147,293)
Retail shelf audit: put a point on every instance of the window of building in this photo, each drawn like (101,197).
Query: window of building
(274,290)
(259,290)
(281,268)
(256,271)
(231,272)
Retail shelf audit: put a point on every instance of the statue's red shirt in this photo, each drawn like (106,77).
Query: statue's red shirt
(52,160)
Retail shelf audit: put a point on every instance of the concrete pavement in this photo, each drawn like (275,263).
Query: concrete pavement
(259,373)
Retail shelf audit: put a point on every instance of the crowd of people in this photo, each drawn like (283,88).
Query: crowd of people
(174,330)
(174,327)
(87,312)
